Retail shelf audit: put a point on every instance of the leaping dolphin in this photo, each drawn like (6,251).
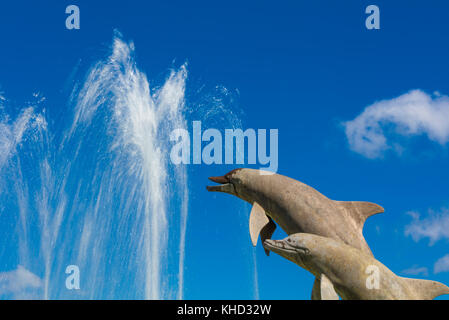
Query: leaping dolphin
(348,269)
(296,207)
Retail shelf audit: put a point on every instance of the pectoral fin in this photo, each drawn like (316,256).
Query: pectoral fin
(323,289)
(266,233)
(327,289)
(260,223)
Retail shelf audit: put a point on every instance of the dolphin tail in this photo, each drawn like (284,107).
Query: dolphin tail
(360,210)
(427,289)
(323,289)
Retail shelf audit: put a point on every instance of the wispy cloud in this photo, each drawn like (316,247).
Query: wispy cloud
(19,283)
(435,226)
(442,264)
(413,113)
(416,271)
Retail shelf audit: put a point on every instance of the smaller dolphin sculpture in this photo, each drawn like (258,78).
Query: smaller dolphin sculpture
(348,269)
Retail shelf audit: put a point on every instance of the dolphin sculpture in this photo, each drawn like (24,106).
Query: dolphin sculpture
(296,207)
(348,269)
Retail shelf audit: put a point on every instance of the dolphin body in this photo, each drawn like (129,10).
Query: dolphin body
(296,207)
(348,269)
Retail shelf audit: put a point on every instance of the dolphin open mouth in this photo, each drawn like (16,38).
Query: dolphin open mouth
(224,185)
(282,247)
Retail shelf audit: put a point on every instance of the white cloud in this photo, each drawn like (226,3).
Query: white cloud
(435,226)
(416,271)
(20,283)
(413,113)
(442,264)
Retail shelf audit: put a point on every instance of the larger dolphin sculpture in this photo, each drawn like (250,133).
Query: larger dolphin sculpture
(296,207)
(349,270)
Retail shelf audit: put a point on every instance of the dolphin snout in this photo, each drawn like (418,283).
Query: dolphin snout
(270,244)
(283,246)
(221,180)
(225,185)
(226,188)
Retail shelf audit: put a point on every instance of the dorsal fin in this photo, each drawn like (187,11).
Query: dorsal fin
(427,289)
(361,210)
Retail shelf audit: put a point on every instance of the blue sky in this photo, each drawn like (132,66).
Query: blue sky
(303,67)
